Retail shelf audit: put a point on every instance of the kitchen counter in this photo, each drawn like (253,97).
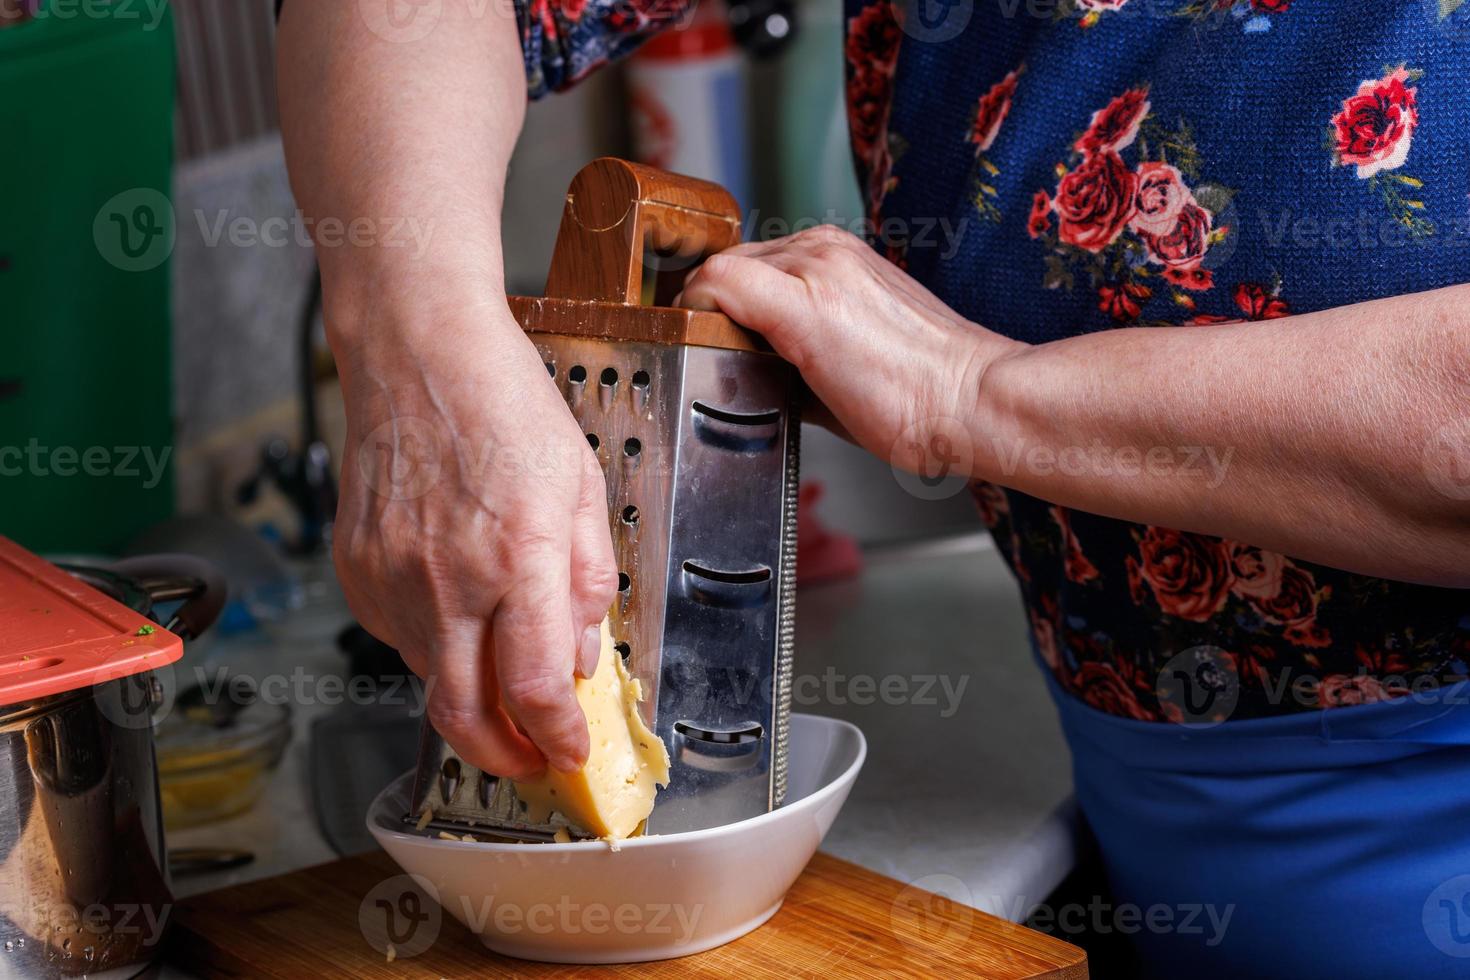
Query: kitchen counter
(967,786)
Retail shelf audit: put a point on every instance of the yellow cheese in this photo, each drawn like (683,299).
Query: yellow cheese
(613,793)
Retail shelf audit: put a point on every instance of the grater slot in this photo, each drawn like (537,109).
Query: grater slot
(731,749)
(751,731)
(734,590)
(741,432)
(772,417)
(449,779)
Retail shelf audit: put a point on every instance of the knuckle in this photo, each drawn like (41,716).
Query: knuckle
(524,560)
(599,581)
(538,693)
(715,268)
(828,236)
(452,718)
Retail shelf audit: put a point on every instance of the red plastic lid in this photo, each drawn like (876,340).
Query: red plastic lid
(58,634)
(688,42)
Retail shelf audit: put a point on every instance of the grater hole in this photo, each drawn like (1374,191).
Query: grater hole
(551,368)
(577,375)
(450,769)
(593,441)
(624,651)
(624,582)
(609,377)
(641,379)
(630,515)
(632,447)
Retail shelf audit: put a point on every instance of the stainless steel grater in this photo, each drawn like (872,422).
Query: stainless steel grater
(695,424)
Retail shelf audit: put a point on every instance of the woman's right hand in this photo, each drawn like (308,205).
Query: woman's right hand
(472,535)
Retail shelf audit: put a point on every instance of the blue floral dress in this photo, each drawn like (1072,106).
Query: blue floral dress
(1054,168)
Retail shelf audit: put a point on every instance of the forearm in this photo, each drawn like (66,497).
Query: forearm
(1322,436)
(410,140)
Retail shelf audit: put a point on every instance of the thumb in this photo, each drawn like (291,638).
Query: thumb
(594,570)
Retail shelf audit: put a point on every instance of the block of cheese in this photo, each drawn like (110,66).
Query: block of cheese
(613,793)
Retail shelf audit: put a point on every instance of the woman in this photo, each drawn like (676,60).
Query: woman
(1206,324)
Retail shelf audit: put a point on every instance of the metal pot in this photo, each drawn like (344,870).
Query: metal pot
(84,885)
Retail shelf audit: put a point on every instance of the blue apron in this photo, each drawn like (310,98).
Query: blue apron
(1330,843)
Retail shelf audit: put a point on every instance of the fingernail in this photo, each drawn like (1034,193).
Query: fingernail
(590,651)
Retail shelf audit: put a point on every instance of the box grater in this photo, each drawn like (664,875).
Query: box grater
(695,424)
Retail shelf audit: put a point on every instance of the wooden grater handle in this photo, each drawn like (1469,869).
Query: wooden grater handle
(615,209)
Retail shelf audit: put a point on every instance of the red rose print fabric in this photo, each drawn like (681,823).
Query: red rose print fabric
(1139,227)
(1373,133)
(1169,164)
(990,114)
(872,60)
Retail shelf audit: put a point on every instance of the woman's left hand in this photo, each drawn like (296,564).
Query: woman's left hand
(883,354)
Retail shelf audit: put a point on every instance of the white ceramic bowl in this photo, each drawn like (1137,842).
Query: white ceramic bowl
(655,897)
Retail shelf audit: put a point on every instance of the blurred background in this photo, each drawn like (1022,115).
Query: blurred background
(205,347)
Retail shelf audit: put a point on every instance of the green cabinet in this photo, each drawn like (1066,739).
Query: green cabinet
(86,229)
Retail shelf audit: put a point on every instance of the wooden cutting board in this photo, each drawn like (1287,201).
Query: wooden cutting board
(839,921)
